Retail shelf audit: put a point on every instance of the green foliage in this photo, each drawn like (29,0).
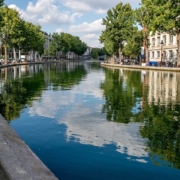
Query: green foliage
(119,24)
(161,128)
(65,42)
(1,2)
(94,53)
(120,96)
(162,15)
(8,23)
(134,44)
(15,32)
(18,93)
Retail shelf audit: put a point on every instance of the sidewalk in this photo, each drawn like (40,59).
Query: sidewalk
(138,67)
(16,158)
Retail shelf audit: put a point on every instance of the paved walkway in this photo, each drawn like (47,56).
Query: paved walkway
(173,69)
(16,158)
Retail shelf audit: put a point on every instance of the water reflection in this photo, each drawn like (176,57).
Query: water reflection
(135,111)
(20,85)
(160,119)
(156,95)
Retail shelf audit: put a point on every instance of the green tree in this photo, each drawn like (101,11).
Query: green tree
(134,44)
(141,15)
(9,20)
(1,2)
(33,38)
(65,42)
(94,53)
(163,16)
(119,24)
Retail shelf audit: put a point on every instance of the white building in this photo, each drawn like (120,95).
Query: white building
(88,51)
(163,47)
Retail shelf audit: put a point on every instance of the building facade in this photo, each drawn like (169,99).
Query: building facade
(163,47)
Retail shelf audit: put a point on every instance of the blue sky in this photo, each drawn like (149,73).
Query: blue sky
(78,17)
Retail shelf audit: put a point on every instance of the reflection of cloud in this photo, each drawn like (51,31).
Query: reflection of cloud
(89,127)
(50,104)
(91,85)
(84,120)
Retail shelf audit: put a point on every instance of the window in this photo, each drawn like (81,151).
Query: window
(158,53)
(171,39)
(164,54)
(170,53)
(164,39)
(152,54)
(158,41)
(153,41)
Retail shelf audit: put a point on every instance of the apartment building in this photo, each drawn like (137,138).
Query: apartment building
(163,47)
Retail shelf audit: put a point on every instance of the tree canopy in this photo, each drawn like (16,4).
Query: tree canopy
(65,42)
(119,24)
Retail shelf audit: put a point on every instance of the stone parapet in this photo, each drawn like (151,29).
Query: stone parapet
(17,159)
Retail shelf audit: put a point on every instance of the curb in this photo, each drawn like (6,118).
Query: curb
(17,159)
(173,69)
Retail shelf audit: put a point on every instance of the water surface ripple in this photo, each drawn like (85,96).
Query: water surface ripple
(88,122)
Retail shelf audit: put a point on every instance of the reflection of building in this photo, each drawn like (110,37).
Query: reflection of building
(163,87)
(162,47)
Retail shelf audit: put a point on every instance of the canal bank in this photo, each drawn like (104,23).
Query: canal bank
(137,67)
(17,160)
(37,62)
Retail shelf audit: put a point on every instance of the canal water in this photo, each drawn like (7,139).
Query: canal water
(88,122)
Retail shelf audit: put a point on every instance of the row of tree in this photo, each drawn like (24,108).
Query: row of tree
(64,42)
(19,34)
(122,35)
(96,52)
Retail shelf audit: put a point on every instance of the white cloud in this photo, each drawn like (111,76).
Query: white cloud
(59,30)
(89,32)
(63,13)
(46,12)
(94,27)
(91,40)
(100,6)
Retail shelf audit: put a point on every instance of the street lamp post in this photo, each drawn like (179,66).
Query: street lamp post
(161,50)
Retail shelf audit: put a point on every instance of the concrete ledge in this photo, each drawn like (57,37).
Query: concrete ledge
(37,62)
(16,158)
(173,69)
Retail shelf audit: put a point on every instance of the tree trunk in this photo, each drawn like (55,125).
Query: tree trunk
(5,53)
(14,52)
(178,49)
(34,56)
(120,53)
(146,51)
(26,56)
(19,53)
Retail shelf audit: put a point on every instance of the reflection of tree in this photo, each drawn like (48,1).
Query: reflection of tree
(65,78)
(19,93)
(95,66)
(121,95)
(160,123)
(161,127)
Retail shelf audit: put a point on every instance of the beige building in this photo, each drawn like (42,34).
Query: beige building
(163,47)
